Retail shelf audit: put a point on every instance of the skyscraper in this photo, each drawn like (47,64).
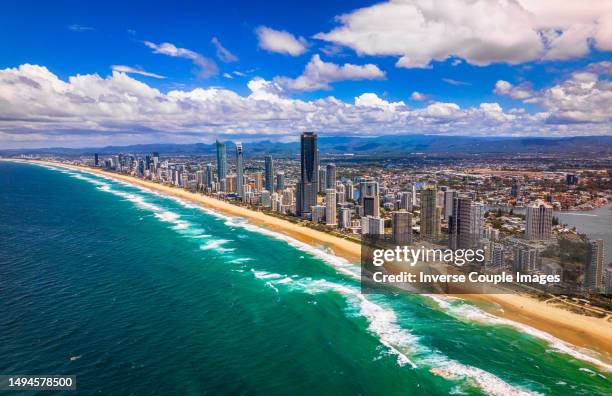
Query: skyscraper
(269,174)
(239,170)
(405,201)
(430,214)
(331,176)
(594,271)
(401,223)
(308,185)
(539,222)
(331,218)
(96,160)
(465,223)
(280,181)
(209,176)
(449,197)
(221,164)
(322,179)
(369,198)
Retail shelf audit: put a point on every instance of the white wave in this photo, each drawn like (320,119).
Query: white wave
(215,244)
(470,312)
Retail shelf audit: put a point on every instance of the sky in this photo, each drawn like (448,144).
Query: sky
(87,74)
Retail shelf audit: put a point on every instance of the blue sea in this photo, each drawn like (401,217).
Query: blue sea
(139,293)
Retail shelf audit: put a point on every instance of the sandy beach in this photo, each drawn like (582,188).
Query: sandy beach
(576,329)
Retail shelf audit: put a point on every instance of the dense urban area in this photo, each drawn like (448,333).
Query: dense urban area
(504,205)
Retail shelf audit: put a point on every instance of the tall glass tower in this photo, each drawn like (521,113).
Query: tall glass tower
(239,170)
(221,164)
(269,176)
(309,173)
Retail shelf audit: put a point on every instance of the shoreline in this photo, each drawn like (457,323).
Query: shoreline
(576,329)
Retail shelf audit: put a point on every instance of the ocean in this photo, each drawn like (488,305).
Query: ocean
(135,292)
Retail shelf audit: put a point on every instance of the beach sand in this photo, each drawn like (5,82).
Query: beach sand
(576,329)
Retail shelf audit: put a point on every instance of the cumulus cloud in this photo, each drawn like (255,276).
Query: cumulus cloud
(479,31)
(584,97)
(280,41)
(38,106)
(319,74)
(521,92)
(135,70)
(223,54)
(206,67)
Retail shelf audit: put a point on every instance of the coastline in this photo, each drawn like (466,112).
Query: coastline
(579,330)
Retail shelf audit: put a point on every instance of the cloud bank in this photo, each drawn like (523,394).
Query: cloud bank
(38,106)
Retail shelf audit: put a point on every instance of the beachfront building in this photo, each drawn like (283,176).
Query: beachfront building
(330,207)
(239,170)
(308,186)
(594,269)
(221,164)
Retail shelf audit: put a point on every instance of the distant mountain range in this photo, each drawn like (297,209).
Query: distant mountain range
(392,146)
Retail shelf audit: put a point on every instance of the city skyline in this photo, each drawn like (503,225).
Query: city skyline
(217,73)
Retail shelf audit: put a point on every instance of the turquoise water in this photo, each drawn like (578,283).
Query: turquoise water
(137,293)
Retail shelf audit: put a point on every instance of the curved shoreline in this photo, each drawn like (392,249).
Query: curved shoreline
(579,330)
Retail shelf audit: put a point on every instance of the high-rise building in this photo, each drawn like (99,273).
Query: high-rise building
(96,160)
(322,179)
(460,223)
(525,258)
(594,269)
(401,222)
(539,222)
(280,181)
(515,190)
(330,207)
(239,170)
(221,164)
(331,176)
(372,225)
(369,197)
(308,185)
(317,213)
(209,176)
(405,201)
(344,220)
(430,214)
(269,173)
(341,193)
(449,197)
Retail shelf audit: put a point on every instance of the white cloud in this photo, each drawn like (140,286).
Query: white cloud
(222,53)
(584,97)
(418,96)
(319,74)
(479,31)
(38,106)
(227,75)
(455,82)
(280,41)
(135,70)
(206,67)
(519,92)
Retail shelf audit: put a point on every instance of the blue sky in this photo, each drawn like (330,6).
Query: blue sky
(429,75)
